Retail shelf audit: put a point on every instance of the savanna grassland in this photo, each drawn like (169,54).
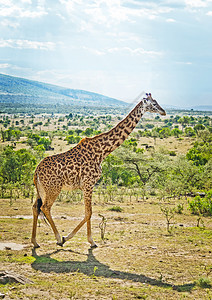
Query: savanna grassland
(151,210)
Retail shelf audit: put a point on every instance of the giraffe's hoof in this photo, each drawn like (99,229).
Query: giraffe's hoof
(36,246)
(94,246)
(61,243)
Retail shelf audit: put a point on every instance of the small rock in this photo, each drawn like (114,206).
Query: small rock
(2,295)
(8,248)
(7,277)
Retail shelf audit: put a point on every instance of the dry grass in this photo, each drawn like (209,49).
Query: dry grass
(137,260)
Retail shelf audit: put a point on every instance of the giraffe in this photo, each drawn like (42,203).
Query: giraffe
(80,168)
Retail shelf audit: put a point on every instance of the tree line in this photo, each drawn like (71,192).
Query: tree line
(160,173)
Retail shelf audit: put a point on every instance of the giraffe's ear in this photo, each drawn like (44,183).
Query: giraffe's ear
(150,94)
(146,94)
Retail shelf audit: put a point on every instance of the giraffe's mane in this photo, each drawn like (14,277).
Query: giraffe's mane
(91,138)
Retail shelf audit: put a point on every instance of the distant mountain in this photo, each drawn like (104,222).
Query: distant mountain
(196,108)
(202,107)
(24,91)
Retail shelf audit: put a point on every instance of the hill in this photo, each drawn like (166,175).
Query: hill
(23,91)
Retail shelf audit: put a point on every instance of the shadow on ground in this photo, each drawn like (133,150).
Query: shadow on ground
(46,264)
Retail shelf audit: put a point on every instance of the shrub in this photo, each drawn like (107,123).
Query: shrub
(116,208)
(172,153)
(201,206)
(179,209)
(204,282)
(71,139)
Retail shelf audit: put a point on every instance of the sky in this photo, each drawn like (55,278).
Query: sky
(118,48)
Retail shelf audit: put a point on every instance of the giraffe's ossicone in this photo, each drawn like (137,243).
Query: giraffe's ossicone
(80,168)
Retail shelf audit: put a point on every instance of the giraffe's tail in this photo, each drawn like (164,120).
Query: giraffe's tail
(40,212)
(39,204)
(39,199)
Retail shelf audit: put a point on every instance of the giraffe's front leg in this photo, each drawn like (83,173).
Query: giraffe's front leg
(87,218)
(90,240)
(88,213)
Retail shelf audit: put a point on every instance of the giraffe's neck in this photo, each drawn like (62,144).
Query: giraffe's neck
(109,141)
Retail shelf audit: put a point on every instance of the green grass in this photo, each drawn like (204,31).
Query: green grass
(204,282)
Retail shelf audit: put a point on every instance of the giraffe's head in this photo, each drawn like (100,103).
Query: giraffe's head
(151,105)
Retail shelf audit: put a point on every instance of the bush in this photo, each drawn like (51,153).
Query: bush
(172,153)
(116,208)
(204,282)
(201,206)
(71,139)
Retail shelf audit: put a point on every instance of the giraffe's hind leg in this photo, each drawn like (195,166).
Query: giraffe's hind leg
(35,220)
(45,208)
(48,216)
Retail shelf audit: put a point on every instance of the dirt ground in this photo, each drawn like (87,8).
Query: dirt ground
(138,259)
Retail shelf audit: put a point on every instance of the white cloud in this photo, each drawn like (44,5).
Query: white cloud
(10,24)
(125,36)
(4,66)
(209,13)
(170,20)
(19,10)
(120,50)
(26,1)
(110,12)
(26,44)
(196,3)
(135,51)
(94,51)
(188,63)
(5,2)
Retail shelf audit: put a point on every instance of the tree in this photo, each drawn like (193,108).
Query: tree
(189,131)
(201,152)
(34,140)
(164,132)
(16,165)
(184,121)
(71,139)
(187,175)
(45,142)
(16,168)
(176,132)
(199,127)
(145,170)
(88,131)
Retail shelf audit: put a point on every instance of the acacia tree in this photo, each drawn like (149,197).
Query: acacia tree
(147,170)
(201,152)
(16,169)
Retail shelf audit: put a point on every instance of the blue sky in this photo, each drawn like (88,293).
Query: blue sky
(118,48)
